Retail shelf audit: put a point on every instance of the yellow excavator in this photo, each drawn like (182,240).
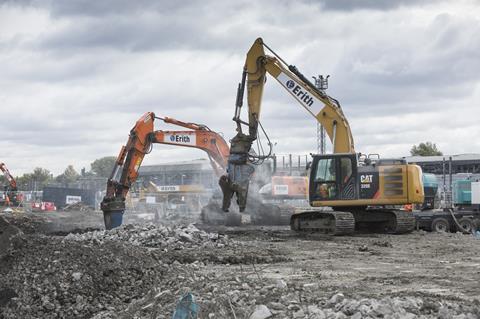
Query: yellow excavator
(362,191)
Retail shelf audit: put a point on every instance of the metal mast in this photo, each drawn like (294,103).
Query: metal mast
(321,83)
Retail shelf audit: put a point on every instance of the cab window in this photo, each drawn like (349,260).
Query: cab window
(325,180)
(325,170)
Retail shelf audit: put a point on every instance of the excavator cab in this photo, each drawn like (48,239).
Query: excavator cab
(353,180)
(333,177)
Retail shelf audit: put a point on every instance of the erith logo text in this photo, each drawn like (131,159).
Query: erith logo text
(297,90)
(180,138)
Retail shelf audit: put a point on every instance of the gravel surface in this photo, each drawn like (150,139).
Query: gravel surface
(142,271)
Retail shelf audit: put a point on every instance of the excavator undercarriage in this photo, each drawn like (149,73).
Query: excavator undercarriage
(373,220)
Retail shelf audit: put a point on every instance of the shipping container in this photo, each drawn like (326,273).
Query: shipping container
(63,196)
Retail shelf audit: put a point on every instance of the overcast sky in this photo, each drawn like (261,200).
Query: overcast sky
(76,75)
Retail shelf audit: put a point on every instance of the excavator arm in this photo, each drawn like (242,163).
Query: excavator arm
(142,136)
(12,196)
(11,180)
(316,102)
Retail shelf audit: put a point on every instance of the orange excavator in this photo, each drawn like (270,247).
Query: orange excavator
(10,197)
(140,142)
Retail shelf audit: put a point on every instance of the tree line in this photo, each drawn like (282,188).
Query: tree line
(102,167)
(40,177)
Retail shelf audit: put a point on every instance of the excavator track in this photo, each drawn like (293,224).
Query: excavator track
(331,223)
(343,223)
(384,221)
(271,214)
(404,222)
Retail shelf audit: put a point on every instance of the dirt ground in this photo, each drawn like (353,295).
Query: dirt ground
(425,275)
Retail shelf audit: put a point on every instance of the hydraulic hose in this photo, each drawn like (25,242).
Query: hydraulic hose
(458,224)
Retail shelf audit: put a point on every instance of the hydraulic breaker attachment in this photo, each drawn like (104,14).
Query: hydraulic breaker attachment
(113,212)
(239,172)
(236,182)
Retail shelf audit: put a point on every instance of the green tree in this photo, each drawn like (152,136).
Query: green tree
(103,167)
(425,149)
(70,175)
(41,175)
(34,181)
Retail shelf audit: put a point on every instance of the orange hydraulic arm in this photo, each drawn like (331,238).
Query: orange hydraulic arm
(9,177)
(12,197)
(140,141)
(201,137)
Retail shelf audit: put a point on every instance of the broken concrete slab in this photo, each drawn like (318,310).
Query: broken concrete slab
(261,312)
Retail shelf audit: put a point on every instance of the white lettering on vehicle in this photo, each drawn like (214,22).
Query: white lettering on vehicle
(183,139)
(308,101)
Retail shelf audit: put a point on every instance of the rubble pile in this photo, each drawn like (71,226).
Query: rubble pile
(338,306)
(8,235)
(156,236)
(48,278)
(106,273)
(142,271)
(241,297)
(28,223)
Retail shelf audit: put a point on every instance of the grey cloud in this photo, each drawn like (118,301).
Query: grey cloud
(351,5)
(128,35)
(143,35)
(76,87)
(207,25)
(440,65)
(115,7)
(143,25)
(82,8)
(48,70)
(54,130)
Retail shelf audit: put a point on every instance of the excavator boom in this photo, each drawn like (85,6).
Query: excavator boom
(210,142)
(11,194)
(11,180)
(317,103)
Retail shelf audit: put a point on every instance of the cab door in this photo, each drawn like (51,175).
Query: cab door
(347,182)
(333,177)
(323,178)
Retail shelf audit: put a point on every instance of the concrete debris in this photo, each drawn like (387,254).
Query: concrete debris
(27,223)
(363,248)
(281,284)
(157,236)
(76,276)
(337,298)
(142,271)
(261,312)
(286,306)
